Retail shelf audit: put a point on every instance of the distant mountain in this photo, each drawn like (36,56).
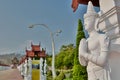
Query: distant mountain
(7,58)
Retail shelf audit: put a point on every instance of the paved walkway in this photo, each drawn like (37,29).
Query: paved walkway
(11,74)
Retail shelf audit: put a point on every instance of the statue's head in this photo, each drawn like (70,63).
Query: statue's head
(90,17)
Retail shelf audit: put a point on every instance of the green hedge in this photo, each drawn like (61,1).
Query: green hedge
(61,76)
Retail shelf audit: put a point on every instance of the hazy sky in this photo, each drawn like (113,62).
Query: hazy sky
(17,15)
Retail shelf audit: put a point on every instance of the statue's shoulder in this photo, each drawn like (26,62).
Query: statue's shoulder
(103,38)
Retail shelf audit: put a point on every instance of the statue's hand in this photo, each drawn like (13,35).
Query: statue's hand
(83,46)
(82,51)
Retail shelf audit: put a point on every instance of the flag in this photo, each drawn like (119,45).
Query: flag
(74,5)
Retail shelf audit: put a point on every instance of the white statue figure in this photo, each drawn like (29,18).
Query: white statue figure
(30,68)
(45,71)
(45,65)
(25,72)
(41,68)
(30,65)
(93,52)
(25,65)
(22,69)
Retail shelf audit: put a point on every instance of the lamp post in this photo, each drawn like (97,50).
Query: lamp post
(53,45)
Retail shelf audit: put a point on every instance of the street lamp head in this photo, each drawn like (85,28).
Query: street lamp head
(59,31)
(31,26)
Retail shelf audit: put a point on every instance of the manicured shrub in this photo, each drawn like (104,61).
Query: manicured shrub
(61,76)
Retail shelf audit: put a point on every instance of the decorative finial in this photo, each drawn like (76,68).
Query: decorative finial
(39,43)
(26,48)
(31,43)
(90,10)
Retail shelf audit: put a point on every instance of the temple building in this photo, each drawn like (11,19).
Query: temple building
(35,53)
(33,63)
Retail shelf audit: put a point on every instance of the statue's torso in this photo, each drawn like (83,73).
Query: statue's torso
(94,46)
(94,49)
(95,71)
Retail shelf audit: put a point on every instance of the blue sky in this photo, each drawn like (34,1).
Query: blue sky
(17,15)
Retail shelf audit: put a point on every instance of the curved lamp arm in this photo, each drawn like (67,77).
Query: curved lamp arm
(53,45)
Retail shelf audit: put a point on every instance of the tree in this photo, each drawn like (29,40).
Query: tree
(79,72)
(64,57)
(49,59)
(61,76)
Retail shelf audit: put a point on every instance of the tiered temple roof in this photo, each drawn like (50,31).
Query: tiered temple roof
(35,47)
(35,51)
(29,53)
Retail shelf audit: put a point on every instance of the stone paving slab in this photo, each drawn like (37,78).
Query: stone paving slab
(11,74)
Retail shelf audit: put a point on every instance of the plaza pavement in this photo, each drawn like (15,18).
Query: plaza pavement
(11,74)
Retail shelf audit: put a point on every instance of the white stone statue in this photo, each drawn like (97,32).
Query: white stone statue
(45,71)
(25,72)
(41,69)
(30,69)
(45,66)
(94,51)
(20,68)
(30,65)
(25,66)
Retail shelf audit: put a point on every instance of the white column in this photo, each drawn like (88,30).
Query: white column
(45,71)
(30,69)
(41,68)
(22,69)
(25,71)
